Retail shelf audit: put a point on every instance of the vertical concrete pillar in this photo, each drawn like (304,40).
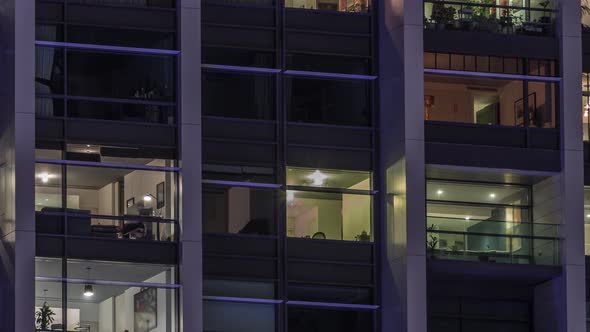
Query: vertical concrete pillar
(569,290)
(17,148)
(403,240)
(191,274)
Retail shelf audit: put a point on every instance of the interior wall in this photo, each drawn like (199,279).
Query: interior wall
(105,315)
(124,308)
(239,208)
(88,199)
(452,102)
(509,94)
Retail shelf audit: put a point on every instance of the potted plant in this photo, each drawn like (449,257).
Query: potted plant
(432,241)
(449,18)
(438,15)
(363,237)
(44,317)
(545,19)
(466,16)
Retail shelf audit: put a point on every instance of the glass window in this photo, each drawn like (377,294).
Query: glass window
(487,222)
(49,32)
(95,303)
(238,316)
(239,288)
(239,210)
(489,101)
(146,112)
(542,100)
(120,271)
(330,294)
(49,107)
(239,173)
(487,64)
(236,95)
(121,37)
(129,76)
(533,18)
(301,319)
(355,6)
(335,216)
(238,57)
(106,202)
(329,101)
(309,177)
(504,194)
(330,64)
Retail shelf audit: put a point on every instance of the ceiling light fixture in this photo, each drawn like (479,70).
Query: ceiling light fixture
(148,197)
(467,217)
(88,289)
(45,177)
(492,195)
(317,178)
(440,192)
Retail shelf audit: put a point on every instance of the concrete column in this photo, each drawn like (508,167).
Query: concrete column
(571,294)
(403,238)
(17,144)
(191,274)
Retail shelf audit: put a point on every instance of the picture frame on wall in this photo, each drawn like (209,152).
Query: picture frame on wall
(160,196)
(130,202)
(145,310)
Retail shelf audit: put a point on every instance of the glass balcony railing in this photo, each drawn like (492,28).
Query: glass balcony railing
(467,16)
(492,241)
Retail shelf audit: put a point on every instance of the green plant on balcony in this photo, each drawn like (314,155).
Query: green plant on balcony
(545,19)
(442,16)
(432,240)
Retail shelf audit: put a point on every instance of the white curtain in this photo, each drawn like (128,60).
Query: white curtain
(43,69)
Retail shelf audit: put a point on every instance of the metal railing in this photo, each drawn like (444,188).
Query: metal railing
(493,241)
(462,16)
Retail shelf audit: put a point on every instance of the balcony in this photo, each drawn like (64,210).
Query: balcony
(492,222)
(487,28)
(122,213)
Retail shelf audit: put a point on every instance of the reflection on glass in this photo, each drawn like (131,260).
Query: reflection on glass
(337,102)
(340,179)
(335,216)
(239,210)
(252,96)
(235,317)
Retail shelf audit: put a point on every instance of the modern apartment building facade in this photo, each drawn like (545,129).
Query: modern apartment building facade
(297,165)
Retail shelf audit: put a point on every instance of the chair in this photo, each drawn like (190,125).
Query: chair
(319,235)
